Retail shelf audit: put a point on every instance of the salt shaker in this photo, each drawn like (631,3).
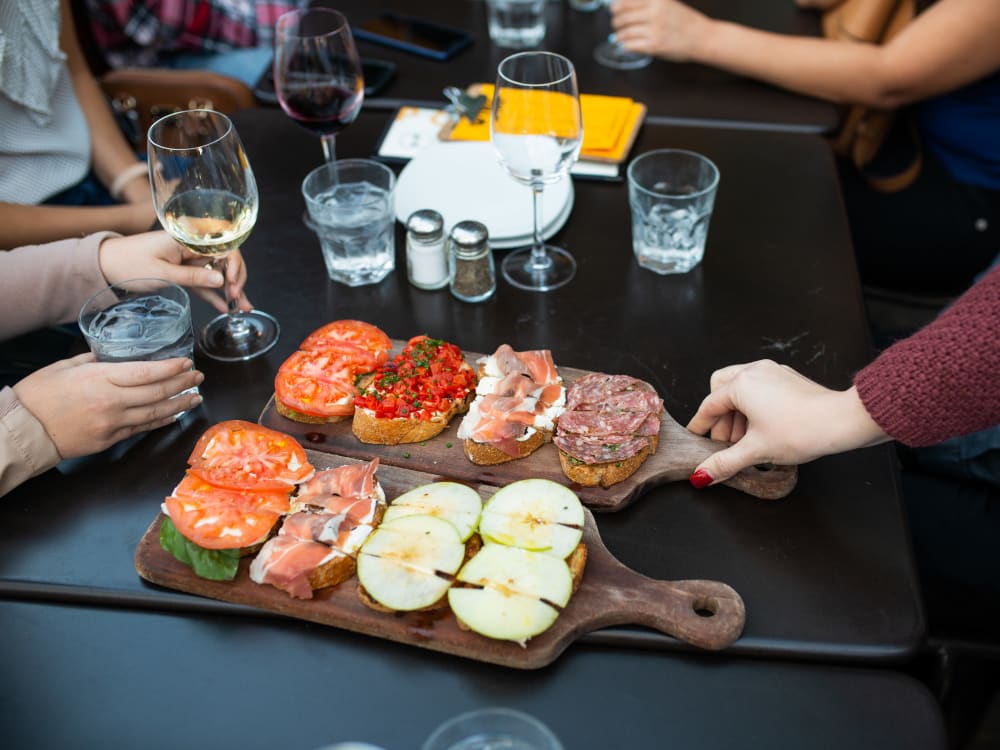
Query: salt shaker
(473,276)
(426,261)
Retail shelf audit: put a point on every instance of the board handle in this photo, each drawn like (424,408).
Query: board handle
(768,482)
(707,614)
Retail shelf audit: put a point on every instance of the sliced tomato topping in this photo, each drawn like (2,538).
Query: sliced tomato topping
(318,398)
(244,455)
(194,489)
(354,332)
(219,525)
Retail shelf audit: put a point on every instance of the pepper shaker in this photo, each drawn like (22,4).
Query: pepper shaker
(473,276)
(426,261)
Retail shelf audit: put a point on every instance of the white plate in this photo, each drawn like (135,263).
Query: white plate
(464,181)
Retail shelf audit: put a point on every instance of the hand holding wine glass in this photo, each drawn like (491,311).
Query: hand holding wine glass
(537,131)
(206,198)
(317,72)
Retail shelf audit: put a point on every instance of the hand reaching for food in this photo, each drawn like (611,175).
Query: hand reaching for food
(773,414)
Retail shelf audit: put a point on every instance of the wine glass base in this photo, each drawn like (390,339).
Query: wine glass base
(613,56)
(520,270)
(256,334)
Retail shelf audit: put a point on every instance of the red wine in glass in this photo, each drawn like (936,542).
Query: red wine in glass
(317,72)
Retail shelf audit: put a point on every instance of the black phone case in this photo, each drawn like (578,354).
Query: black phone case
(462,38)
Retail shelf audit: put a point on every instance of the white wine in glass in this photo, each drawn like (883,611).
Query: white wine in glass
(206,198)
(537,130)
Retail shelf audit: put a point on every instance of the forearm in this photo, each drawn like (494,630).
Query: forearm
(31,225)
(112,154)
(836,71)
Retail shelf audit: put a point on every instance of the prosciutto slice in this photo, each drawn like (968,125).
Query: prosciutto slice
(335,513)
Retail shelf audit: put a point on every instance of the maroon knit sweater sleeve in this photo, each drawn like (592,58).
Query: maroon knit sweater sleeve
(943,380)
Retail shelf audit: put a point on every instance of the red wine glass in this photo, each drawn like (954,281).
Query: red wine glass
(317,72)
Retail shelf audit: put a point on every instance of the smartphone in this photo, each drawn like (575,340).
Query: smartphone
(377,74)
(425,38)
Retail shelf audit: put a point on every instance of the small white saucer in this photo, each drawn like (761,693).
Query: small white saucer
(465,181)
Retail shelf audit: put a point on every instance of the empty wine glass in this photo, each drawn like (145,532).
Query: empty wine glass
(206,198)
(317,72)
(536,129)
(613,55)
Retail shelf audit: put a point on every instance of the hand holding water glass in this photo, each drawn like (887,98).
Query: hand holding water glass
(139,320)
(671,193)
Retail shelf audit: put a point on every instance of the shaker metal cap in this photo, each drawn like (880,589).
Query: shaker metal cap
(469,236)
(425,223)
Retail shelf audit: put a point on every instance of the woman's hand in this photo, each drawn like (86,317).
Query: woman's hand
(87,406)
(664,28)
(772,414)
(156,255)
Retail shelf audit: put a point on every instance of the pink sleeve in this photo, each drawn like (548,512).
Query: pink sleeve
(42,285)
(943,380)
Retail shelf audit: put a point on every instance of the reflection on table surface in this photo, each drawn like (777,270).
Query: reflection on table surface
(114,678)
(672,91)
(777,280)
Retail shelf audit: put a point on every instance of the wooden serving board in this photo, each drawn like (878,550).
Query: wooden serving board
(679,453)
(707,614)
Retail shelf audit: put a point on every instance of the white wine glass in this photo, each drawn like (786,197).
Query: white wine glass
(317,72)
(537,130)
(611,53)
(206,198)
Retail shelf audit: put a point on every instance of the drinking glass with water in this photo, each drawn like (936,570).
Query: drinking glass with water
(671,195)
(350,204)
(516,24)
(139,320)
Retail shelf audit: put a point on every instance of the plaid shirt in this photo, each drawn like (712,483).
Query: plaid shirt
(134,33)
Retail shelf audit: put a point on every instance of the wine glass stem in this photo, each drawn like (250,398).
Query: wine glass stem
(539,258)
(235,324)
(329,143)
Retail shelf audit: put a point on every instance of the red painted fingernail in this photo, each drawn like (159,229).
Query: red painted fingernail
(700,478)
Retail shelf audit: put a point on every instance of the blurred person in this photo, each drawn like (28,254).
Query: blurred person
(944,68)
(65,168)
(77,406)
(231,37)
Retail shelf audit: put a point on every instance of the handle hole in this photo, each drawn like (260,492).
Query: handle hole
(706,607)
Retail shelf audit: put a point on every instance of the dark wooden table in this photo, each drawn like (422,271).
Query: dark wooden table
(826,573)
(673,92)
(86,677)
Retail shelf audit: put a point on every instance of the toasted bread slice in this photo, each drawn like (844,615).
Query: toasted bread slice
(371,429)
(290,413)
(604,474)
(333,572)
(487,454)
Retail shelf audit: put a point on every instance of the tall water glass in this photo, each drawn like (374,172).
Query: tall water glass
(139,320)
(537,130)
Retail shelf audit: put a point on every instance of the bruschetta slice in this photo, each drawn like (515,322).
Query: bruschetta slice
(519,397)
(412,397)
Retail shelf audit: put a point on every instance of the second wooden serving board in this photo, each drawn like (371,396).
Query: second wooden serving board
(679,453)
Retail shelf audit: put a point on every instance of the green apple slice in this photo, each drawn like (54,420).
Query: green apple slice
(451,501)
(518,594)
(401,562)
(534,514)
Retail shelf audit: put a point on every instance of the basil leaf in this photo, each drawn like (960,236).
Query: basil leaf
(214,564)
